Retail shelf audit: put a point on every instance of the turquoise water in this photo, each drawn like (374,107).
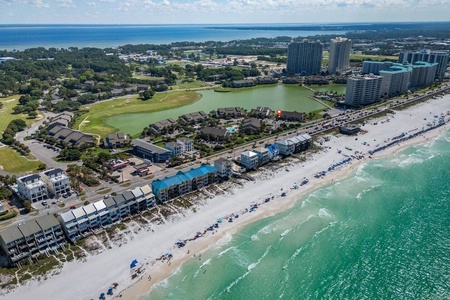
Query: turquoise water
(383,233)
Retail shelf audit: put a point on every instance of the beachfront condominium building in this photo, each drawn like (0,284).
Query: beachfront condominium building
(439,57)
(31,187)
(304,58)
(374,67)
(294,144)
(395,80)
(363,90)
(184,182)
(423,74)
(28,239)
(339,54)
(249,160)
(263,155)
(57,181)
(223,167)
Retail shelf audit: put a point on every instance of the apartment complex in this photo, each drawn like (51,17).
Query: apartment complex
(304,58)
(363,90)
(439,57)
(181,146)
(78,222)
(32,187)
(339,54)
(184,182)
(223,167)
(29,239)
(149,151)
(374,67)
(249,160)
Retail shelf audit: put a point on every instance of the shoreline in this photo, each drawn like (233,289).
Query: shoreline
(164,272)
(97,272)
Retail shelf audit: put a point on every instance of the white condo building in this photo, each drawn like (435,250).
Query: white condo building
(32,187)
(439,57)
(57,181)
(363,90)
(339,54)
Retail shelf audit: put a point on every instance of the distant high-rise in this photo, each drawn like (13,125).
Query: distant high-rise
(363,90)
(304,58)
(439,57)
(339,54)
(374,67)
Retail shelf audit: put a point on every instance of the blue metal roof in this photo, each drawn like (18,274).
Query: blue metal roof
(272,148)
(182,177)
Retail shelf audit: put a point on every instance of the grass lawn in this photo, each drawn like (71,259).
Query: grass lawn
(101,110)
(12,162)
(145,77)
(372,57)
(6,115)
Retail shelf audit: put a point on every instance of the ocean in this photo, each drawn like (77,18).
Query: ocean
(20,37)
(383,233)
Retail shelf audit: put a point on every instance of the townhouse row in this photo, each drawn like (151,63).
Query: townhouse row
(79,222)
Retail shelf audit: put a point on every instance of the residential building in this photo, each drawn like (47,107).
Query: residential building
(32,187)
(215,134)
(294,144)
(249,160)
(263,155)
(130,201)
(363,90)
(439,57)
(122,205)
(395,80)
(292,116)
(230,112)
(243,83)
(423,74)
(71,137)
(266,80)
(175,148)
(116,140)
(195,117)
(223,167)
(251,126)
(339,54)
(57,181)
(113,209)
(374,67)
(69,225)
(148,195)
(161,125)
(62,119)
(304,58)
(102,212)
(184,182)
(187,144)
(28,239)
(274,151)
(261,112)
(149,151)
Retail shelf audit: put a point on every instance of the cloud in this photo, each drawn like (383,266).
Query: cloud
(65,3)
(36,3)
(91,4)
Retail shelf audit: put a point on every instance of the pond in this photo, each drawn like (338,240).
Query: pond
(284,97)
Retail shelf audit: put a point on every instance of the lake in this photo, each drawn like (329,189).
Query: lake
(284,97)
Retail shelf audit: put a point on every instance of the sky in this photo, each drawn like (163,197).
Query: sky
(219,11)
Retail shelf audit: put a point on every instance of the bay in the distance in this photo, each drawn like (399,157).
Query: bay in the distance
(20,37)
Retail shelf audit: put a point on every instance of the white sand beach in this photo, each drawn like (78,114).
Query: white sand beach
(87,279)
